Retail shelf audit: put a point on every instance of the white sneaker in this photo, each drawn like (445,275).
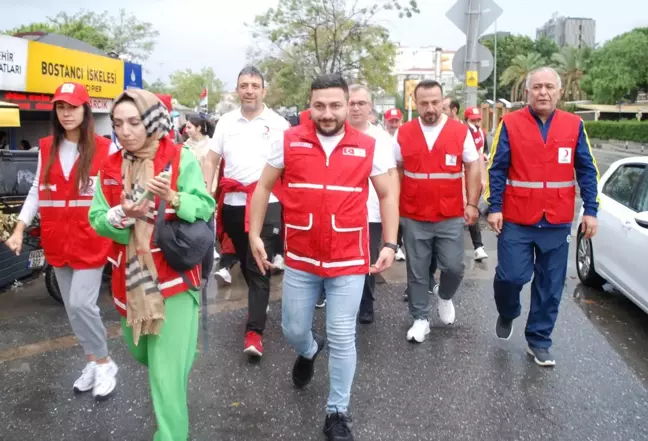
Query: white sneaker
(400,256)
(105,380)
(216,255)
(87,379)
(480,254)
(445,308)
(419,330)
(224,276)
(278,262)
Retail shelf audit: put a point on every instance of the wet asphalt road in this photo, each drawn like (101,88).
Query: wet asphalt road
(461,384)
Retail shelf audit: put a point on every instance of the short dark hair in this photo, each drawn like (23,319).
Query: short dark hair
(253,72)
(330,81)
(454,104)
(427,84)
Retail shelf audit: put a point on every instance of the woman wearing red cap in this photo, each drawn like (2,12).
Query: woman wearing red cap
(62,192)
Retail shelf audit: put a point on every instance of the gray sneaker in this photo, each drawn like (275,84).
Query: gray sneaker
(542,356)
(504,328)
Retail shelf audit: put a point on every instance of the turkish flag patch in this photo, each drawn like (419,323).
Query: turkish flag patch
(354,151)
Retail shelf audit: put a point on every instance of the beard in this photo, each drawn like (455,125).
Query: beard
(329,132)
(430,118)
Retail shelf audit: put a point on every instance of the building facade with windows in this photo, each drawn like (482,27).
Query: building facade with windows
(569,31)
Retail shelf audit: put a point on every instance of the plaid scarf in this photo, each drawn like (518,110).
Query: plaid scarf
(144,300)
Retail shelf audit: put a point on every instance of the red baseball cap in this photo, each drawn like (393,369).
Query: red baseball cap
(74,94)
(472,113)
(393,114)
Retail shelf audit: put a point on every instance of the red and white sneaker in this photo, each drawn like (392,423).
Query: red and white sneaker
(253,345)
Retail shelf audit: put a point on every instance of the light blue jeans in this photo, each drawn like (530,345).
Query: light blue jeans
(343,294)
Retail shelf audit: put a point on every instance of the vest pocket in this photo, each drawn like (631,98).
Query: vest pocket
(516,202)
(298,236)
(560,205)
(347,237)
(451,199)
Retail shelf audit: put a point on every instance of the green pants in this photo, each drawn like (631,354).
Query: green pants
(169,357)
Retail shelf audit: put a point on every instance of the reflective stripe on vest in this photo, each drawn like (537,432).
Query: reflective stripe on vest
(433,175)
(527,184)
(60,204)
(342,264)
(322,187)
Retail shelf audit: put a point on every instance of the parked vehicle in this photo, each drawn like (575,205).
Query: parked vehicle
(17,171)
(618,252)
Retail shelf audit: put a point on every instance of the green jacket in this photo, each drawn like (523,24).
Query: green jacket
(195,201)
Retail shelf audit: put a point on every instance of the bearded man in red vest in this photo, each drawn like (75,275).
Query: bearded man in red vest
(538,154)
(432,152)
(326,167)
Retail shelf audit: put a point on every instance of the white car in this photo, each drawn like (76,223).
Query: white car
(619,251)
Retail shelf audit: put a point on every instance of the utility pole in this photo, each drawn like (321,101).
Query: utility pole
(474,14)
(495,81)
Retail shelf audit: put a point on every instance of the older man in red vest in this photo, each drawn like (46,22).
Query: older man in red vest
(538,154)
(326,168)
(433,151)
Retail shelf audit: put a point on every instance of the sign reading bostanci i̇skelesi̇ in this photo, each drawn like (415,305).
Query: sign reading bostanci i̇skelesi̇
(49,66)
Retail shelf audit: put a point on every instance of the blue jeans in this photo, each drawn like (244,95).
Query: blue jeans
(343,294)
(523,252)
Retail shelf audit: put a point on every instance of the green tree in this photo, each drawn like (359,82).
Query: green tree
(187,85)
(545,47)
(570,63)
(508,48)
(515,75)
(125,35)
(299,40)
(157,86)
(619,69)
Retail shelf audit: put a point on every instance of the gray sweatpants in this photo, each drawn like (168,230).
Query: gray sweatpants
(80,292)
(446,239)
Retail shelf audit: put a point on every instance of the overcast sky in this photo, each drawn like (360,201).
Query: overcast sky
(197,33)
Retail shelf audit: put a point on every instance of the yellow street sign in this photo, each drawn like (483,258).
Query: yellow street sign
(410,85)
(472,78)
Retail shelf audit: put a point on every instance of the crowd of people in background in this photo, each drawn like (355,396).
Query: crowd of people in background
(331,201)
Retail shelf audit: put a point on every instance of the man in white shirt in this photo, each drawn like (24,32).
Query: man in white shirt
(242,139)
(360,109)
(326,167)
(432,152)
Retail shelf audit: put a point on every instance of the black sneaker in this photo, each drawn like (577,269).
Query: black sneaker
(304,368)
(366,317)
(405,296)
(542,356)
(504,328)
(337,427)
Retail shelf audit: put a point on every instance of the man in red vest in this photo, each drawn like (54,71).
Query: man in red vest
(473,118)
(432,152)
(326,167)
(531,194)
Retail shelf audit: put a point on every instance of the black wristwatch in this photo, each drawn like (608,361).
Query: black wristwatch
(391,246)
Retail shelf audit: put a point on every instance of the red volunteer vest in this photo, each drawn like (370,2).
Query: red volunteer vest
(541,179)
(66,235)
(431,189)
(478,137)
(171,282)
(325,202)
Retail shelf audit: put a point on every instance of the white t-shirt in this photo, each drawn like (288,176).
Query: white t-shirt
(67,155)
(431,134)
(384,147)
(381,162)
(245,146)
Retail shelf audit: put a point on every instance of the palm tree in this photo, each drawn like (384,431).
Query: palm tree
(570,64)
(515,75)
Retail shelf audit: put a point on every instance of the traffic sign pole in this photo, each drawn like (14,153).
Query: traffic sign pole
(473,17)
